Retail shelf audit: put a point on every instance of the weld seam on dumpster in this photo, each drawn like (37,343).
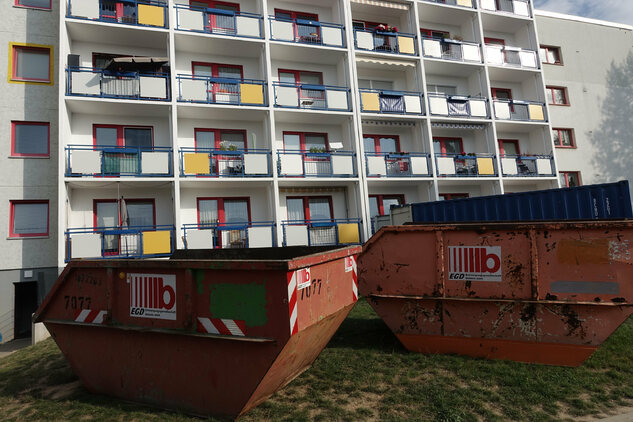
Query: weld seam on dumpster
(501,300)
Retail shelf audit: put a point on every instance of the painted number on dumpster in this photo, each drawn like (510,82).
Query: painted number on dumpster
(77,302)
(152,296)
(314,289)
(475,263)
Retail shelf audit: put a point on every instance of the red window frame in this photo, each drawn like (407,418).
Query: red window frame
(14,53)
(215,66)
(547,48)
(509,141)
(214,3)
(381,198)
(26,6)
(302,139)
(442,140)
(48,138)
(496,90)
(120,137)
(449,196)
(297,74)
(552,88)
(368,25)
(566,174)
(429,33)
(572,138)
(293,14)
(494,41)
(218,135)
(127,200)
(13,203)
(377,141)
(306,205)
(221,213)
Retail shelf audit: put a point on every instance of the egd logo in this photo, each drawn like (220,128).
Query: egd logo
(475,263)
(152,295)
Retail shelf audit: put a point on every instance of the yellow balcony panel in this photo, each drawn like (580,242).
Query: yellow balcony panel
(196,163)
(371,101)
(536,112)
(485,166)
(348,233)
(151,15)
(406,45)
(156,243)
(252,94)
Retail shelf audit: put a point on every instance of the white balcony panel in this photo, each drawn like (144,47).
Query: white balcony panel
(337,100)
(192,90)
(471,53)
(412,104)
(432,48)
(283,31)
(332,36)
(544,166)
(87,245)
(494,55)
(247,26)
(521,8)
(509,166)
(438,106)
(489,5)
(85,9)
(365,40)
(190,19)
(199,239)
(377,166)
(260,237)
(153,87)
(287,96)
(255,164)
(445,165)
(502,111)
(296,235)
(85,83)
(85,162)
(478,108)
(528,59)
(291,164)
(155,163)
(342,164)
(419,166)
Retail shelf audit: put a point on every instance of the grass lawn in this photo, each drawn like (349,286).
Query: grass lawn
(363,374)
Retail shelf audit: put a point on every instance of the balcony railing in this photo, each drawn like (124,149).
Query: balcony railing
(410,164)
(229,235)
(526,111)
(527,166)
(391,102)
(89,82)
(119,242)
(224,163)
(517,7)
(230,91)
(128,12)
(217,21)
(499,55)
(461,3)
(445,49)
(307,32)
(321,232)
(316,164)
(386,42)
(88,160)
(465,165)
(458,106)
(312,97)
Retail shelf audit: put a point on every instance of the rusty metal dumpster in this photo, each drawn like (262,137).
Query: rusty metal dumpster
(209,333)
(532,292)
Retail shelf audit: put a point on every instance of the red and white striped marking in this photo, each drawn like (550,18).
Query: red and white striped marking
(89,317)
(292,302)
(227,327)
(350,265)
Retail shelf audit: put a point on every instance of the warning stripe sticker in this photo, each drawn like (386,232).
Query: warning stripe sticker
(89,316)
(226,327)
(292,302)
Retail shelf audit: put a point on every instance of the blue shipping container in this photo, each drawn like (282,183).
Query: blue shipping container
(609,201)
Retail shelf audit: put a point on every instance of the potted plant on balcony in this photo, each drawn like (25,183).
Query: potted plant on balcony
(317,150)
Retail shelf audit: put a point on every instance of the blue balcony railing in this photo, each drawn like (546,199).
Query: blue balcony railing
(229,235)
(386,42)
(391,102)
(524,111)
(88,160)
(128,12)
(528,166)
(119,242)
(218,21)
(466,165)
(305,31)
(312,97)
(89,82)
(316,164)
(321,232)
(410,164)
(230,91)
(458,106)
(213,162)
(454,50)
(460,3)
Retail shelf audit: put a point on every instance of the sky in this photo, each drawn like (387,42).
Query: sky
(610,10)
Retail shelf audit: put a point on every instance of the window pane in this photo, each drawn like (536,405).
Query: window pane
(30,218)
(32,64)
(106,136)
(310,78)
(140,213)
(453,146)
(388,202)
(287,77)
(208,211)
(283,15)
(315,141)
(236,211)
(205,140)
(138,137)
(107,214)
(202,4)
(292,142)
(550,98)
(235,139)
(553,56)
(364,83)
(502,94)
(557,138)
(565,138)
(31,139)
(229,72)
(388,85)
(45,4)
(510,148)
(559,96)
(388,145)
(563,179)
(202,70)
(373,207)
(370,145)
(295,209)
(227,7)
(319,209)
(542,54)
(572,180)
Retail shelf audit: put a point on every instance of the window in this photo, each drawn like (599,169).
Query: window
(28,218)
(381,204)
(495,41)
(509,147)
(309,208)
(228,139)
(367,25)
(373,84)
(300,77)
(501,94)
(30,139)
(431,33)
(563,138)
(292,15)
(221,5)
(140,212)
(449,196)
(213,211)
(123,136)
(381,143)
(216,70)
(31,63)
(34,4)
(550,55)
(556,95)
(448,145)
(570,179)
(442,89)
(301,141)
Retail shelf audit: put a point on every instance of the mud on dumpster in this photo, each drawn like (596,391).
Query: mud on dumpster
(209,332)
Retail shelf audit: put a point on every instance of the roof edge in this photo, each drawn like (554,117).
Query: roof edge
(582,19)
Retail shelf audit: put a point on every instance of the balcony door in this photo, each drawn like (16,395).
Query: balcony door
(112,138)
(381,204)
(228,140)
(509,147)
(218,23)
(229,213)
(140,214)
(448,145)
(309,97)
(118,11)
(381,143)
(224,87)
(304,30)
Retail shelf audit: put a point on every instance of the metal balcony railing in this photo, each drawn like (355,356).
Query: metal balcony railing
(89,82)
(461,3)
(229,235)
(212,162)
(219,22)
(312,97)
(454,50)
(516,7)
(305,31)
(297,163)
(527,166)
(321,232)
(458,106)
(499,55)
(88,160)
(386,42)
(525,111)
(394,164)
(391,102)
(127,12)
(230,91)
(465,165)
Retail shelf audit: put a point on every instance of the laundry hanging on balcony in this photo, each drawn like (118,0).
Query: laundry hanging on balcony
(458,106)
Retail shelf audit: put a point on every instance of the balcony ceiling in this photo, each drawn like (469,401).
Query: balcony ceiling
(113,107)
(503,23)
(207,112)
(225,46)
(510,74)
(305,53)
(152,187)
(438,13)
(319,183)
(449,68)
(506,128)
(223,183)
(108,33)
(310,117)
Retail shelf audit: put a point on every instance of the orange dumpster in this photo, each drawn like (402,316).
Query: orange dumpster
(209,333)
(547,293)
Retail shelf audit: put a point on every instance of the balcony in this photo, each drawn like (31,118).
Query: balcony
(321,232)
(224,163)
(391,102)
(465,165)
(527,166)
(460,3)
(386,42)
(304,31)
(228,91)
(453,50)
(316,164)
(516,7)
(498,55)
(311,97)
(131,12)
(119,242)
(394,164)
(229,235)
(218,22)
(464,107)
(99,161)
(89,82)
(523,111)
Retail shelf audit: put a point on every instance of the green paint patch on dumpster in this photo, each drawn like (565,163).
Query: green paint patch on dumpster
(246,302)
(198,275)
